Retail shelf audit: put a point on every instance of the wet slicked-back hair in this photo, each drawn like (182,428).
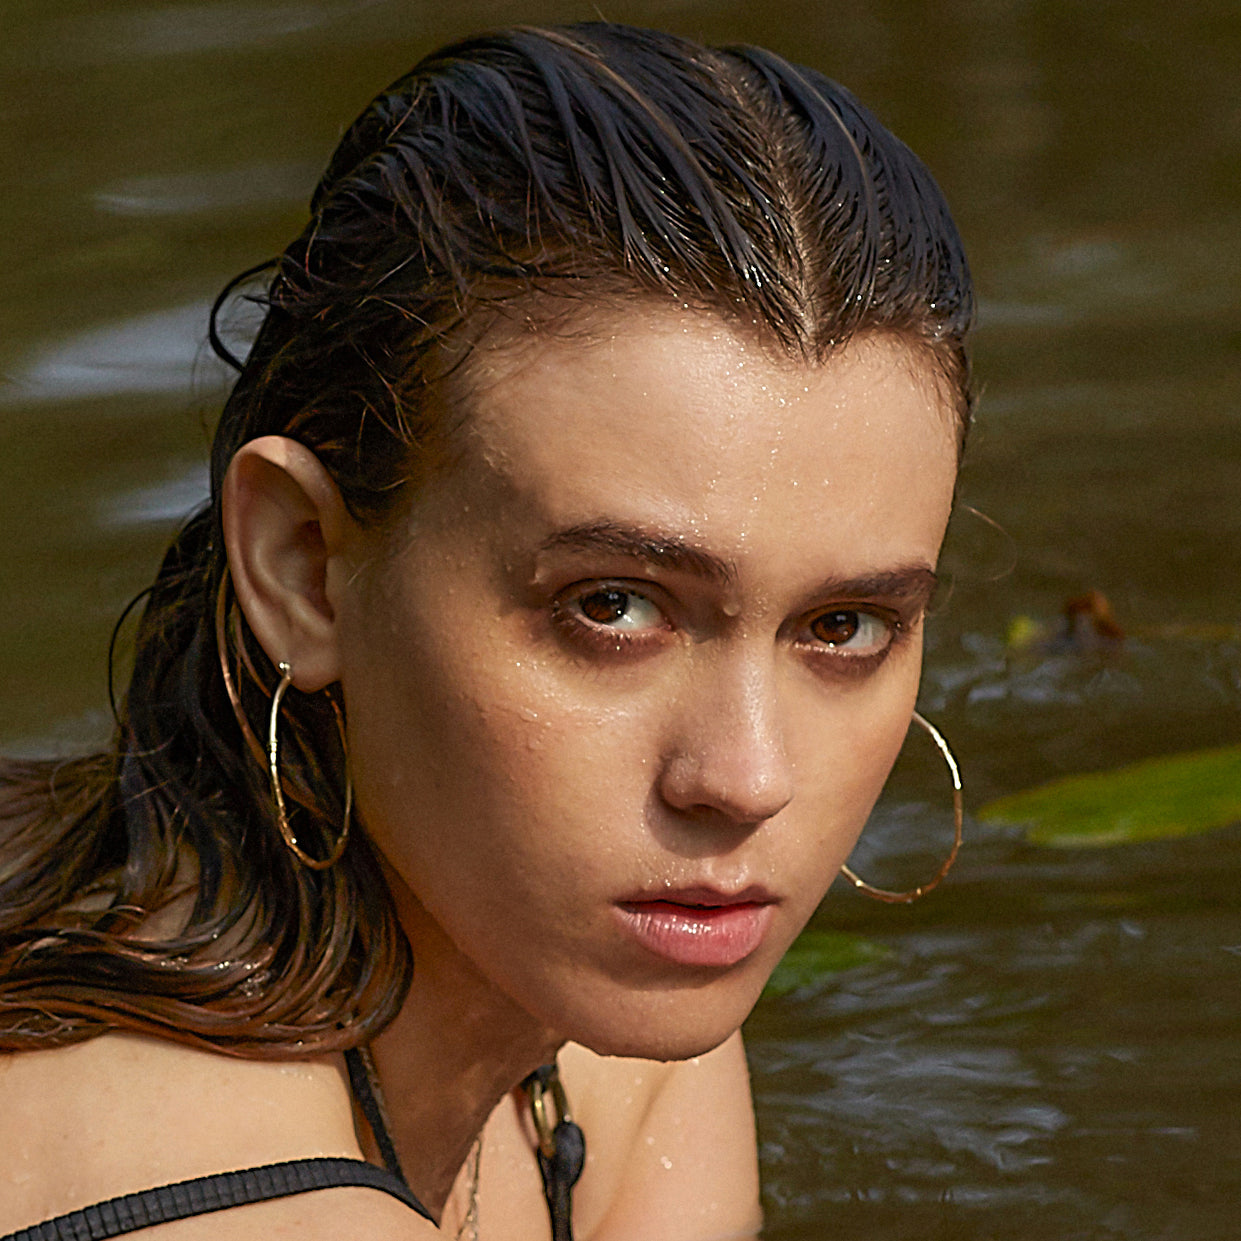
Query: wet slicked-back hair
(525,173)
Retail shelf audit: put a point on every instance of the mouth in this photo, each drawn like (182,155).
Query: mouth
(699,926)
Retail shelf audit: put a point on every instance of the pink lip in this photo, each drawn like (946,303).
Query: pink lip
(699,926)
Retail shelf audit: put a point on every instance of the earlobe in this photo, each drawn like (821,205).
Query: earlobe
(284,522)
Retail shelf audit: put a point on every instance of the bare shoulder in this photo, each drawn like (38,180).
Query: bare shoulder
(670,1153)
(671,1146)
(636,1085)
(123,1113)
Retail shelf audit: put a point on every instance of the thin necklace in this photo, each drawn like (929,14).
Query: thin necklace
(468,1228)
(369,1093)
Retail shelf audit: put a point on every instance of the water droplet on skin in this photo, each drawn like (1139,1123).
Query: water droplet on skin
(527,714)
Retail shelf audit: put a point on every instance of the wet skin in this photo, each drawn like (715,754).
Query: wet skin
(651,644)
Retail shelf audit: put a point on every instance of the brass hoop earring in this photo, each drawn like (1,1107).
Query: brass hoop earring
(273,768)
(958,817)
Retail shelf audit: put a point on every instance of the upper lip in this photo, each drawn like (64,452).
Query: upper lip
(702,896)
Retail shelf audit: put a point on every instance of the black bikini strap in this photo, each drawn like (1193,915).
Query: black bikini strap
(362,1081)
(204,1194)
(561,1151)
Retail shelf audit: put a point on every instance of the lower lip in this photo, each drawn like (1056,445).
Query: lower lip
(718,935)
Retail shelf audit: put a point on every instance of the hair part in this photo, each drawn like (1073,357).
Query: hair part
(521,173)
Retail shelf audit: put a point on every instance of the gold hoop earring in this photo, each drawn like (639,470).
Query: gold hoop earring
(958,816)
(273,768)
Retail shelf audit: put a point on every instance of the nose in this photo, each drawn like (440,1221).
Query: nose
(729,756)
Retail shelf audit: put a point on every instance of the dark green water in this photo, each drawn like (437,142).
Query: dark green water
(1053,1049)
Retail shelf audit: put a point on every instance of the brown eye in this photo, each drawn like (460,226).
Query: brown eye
(836,628)
(853,632)
(604,607)
(618,610)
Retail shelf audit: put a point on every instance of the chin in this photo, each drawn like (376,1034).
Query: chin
(676,1024)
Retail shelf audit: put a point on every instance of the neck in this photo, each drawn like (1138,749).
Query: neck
(455,1049)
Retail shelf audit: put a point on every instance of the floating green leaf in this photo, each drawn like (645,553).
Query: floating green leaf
(816,953)
(1157,799)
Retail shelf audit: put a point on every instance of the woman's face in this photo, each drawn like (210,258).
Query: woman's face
(623,691)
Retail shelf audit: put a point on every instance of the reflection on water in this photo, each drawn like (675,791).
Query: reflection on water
(152,353)
(1051,1050)
(1054,1057)
(163,504)
(194,193)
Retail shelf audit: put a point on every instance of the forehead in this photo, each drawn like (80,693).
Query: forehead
(677,420)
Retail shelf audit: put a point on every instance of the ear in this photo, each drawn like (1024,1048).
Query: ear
(284,524)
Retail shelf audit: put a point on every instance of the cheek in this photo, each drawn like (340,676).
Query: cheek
(873,751)
(481,778)
(843,766)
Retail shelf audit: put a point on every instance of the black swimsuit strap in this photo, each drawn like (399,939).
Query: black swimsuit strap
(362,1082)
(560,1165)
(204,1194)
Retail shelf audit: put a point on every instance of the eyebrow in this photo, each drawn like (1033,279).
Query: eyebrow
(657,550)
(916,582)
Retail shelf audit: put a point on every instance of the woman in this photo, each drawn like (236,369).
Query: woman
(551,630)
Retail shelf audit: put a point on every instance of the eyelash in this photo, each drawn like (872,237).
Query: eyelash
(846,662)
(596,635)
